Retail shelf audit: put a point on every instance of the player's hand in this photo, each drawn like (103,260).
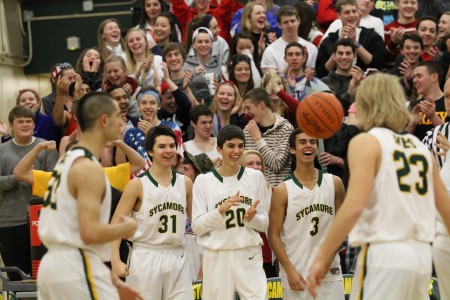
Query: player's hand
(234,200)
(119,268)
(326,159)
(315,276)
(48,145)
(125,291)
(442,144)
(428,107)
(251,212)
(130,226)
(253,130)
(296,281)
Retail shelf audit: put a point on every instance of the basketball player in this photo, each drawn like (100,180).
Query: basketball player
(302,209)
(159,200)
(73,222)
(391,201)
(229,207)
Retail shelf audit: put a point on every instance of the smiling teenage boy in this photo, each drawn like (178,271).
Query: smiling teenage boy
(229,208)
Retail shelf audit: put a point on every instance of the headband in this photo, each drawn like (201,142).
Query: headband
(59,68)
(205,21)
(197,31)
(149,92)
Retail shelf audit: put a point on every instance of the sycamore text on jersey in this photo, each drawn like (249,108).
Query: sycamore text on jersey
(166,206)
(312,208)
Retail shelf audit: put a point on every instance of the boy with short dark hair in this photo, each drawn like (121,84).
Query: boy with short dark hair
(230,205)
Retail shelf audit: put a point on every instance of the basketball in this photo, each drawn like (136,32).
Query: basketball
(320,115)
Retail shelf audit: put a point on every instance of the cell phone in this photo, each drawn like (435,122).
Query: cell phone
(72,89)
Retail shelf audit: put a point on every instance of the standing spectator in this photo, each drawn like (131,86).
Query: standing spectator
(289,21)
(406,23)
(14,195)
(370,49)
(165,29)
(90,66)
(367,20)
(427,28)
(244,43)
(268,133)
(240,73)
(109,38)
(222,12)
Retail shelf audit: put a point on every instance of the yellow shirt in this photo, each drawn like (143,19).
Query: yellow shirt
(118,177)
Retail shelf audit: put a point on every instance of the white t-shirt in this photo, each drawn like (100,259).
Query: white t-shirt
(212,153)
(273,56)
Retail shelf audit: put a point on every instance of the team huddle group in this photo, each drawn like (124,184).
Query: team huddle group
(191,116)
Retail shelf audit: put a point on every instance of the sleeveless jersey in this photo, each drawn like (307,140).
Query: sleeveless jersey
(58,221)
(309,215)
(162,216)
(211,190)
(401,204)
(445,175)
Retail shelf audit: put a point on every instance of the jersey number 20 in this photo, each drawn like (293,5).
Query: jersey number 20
(417,161)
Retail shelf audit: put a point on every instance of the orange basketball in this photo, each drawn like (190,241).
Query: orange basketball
(320,115)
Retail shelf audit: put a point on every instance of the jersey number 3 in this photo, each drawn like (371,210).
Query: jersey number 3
(416,161)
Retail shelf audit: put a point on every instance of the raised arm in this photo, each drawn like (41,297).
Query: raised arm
(137,162)
(23,170)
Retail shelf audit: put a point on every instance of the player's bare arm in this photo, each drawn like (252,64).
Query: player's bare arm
(339,192)
(189,185)
(131,200)
(89,194)
(276,220)
(24,169)
(441,196)
(363,169)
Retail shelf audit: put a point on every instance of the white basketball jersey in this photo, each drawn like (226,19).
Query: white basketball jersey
(309,214)
(445,175)
(162,217)
(401,204)
(58,220)
(211,190)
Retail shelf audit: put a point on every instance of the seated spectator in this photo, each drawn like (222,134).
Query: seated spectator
(367,20)
(202,122)
(298,78)
(271,18)
(370,49)
(309,29)
(90,66)
(203,61)
(150,11)
(222,11)
(44,127)
(405,23)
(254,21)
(226,107)
(244,43)
(60,70)
(109,38)
(165,30)
(444,28)
(346,78)
(289,21)
(220,46)
(240,73)
(268,133)
(429,110)
(427,28)
(142,64)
